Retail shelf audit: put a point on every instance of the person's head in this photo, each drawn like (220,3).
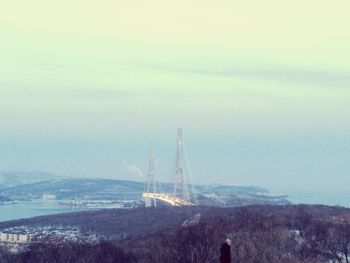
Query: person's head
(228,241)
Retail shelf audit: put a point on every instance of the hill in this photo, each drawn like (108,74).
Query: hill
(116,223)
(259,233)
(77,189)
(17,178)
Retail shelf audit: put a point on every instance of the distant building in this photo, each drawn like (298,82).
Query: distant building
(14,237)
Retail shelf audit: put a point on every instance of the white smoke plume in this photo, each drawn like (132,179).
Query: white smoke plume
(134,169)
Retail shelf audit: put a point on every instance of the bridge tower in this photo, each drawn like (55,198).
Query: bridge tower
(151,184)
(182,187)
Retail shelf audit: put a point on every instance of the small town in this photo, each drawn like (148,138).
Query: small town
(17,239)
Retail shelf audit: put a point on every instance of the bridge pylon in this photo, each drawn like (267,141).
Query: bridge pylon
(182,187)
(151,183)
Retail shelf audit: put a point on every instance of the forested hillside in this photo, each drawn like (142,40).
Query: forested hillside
(259,234)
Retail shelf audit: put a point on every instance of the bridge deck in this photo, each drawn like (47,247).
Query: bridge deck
(174,201)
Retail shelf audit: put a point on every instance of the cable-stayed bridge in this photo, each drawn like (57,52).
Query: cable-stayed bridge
(183,193)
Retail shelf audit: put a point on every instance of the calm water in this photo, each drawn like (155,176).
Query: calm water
(325,197)
(320,199)
(33,208)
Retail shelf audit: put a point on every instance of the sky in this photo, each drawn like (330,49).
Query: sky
(261,89)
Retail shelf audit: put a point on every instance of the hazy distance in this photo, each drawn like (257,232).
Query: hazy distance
(260,88)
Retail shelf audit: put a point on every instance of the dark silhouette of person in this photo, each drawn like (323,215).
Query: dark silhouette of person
(225,252)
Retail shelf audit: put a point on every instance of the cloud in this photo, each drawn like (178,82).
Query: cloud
(308,77)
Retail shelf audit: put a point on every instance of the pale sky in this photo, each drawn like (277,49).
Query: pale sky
(236,75)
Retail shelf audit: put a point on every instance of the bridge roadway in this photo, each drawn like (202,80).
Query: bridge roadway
(174,201)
